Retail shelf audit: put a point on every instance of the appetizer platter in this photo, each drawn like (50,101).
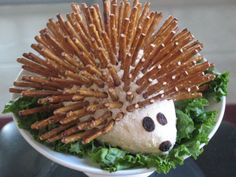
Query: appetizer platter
(126,89)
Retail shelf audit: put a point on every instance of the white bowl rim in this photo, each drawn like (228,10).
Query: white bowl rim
(45,151)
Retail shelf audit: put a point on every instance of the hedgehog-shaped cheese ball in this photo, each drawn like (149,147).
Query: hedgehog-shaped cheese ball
(112,77)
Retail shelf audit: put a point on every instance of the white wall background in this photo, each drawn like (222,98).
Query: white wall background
(211,21)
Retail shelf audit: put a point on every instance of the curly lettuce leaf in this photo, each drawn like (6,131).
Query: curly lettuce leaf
(15,106)
(218,87)
(185,125)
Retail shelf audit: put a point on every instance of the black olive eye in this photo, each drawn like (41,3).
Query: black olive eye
(148,124)
(161,119)
(165,146)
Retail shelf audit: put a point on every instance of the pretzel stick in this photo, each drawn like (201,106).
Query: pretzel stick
(144,85)
(86,13)
(78,77)
(113,33)
(85,59)
(129,97)
(31,111)
(32,85)
(39,93)
(77,98)
(125,19)
(33,70)
(137,69)
(39,60)
(81,24)
(42,81)
(186,96)
(41,40)
(170,63)
(162,29)
(63,134)
(125,26)
(113,94)
(191,74)
(135,2)
(96,6)
(106,15)
(113,105)
(126,76)
(55,138)
(60,38)
(107,79)
(58,47)
(115,11)
(16,90)
(92,123)
(135,41)
(35,66)
(137,48)
(82,35)
(108,45)
(94,33)
(80,46)
(103,57)
(55,131)
(147,22)
(75,7)
(48,54)
(120,20)
(61,22)
(127,63)
(44,123)
(169,95)
(36,59)
(94,80)
(55,99)
(91,135)
(54,30)
(65,82)
(158,17)
(179,50)
(92,108)
(126,10)
(176,49)
(72,61)
(91,93)
(160,51)
(72,138)
(72,19)
(74,116)
(71,30)
(131,28)
(114,75)
(71,107)
(145,11)
(122,49)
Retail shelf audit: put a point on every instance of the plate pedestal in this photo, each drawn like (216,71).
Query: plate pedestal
(133,175)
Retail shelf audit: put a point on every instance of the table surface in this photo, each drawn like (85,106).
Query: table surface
(218,159)
(211,21)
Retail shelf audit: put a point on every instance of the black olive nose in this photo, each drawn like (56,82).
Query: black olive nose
(165,146)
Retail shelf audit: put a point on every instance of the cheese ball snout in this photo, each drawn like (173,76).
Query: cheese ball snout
(148,130)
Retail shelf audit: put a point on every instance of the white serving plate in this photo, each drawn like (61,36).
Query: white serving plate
(91,169)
